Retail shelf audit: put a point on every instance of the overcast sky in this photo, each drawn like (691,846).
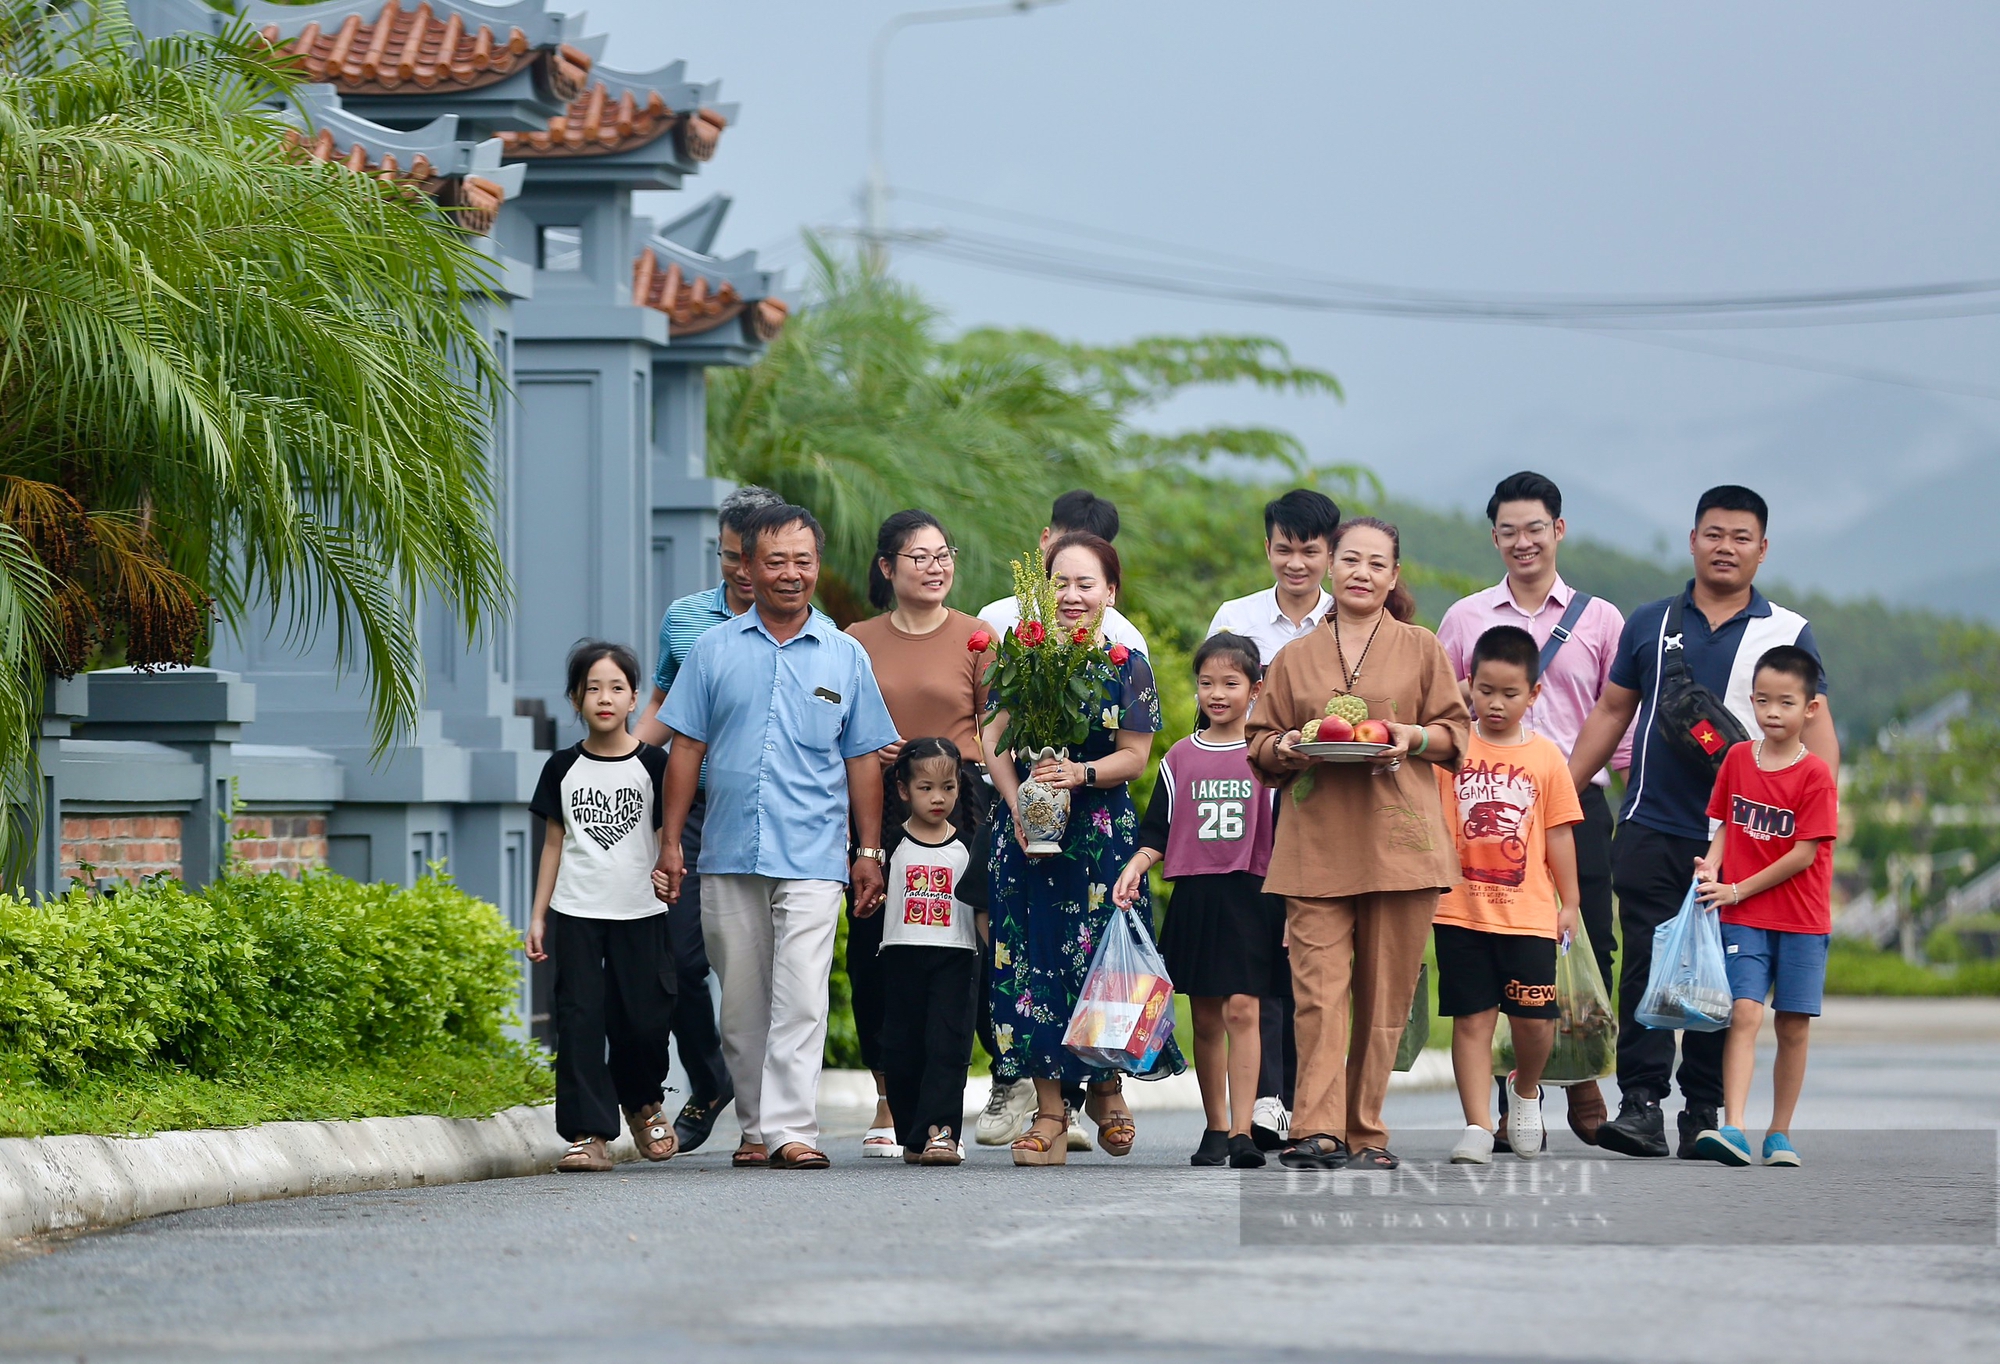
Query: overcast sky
(1585,148)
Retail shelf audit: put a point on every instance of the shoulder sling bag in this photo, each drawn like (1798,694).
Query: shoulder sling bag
(1692,719)
(1560,635)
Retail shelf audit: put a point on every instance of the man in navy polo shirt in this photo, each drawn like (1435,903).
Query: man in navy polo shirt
(1726,625)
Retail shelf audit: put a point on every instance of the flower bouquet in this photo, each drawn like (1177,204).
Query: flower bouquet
(1047,677)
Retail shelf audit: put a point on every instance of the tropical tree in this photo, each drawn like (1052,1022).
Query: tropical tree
(864,405)
(232,378)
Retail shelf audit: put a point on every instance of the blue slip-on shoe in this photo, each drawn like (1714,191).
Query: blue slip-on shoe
(1778,1150)
(1725,1144)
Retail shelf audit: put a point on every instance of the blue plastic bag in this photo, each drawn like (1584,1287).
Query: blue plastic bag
(1689,984)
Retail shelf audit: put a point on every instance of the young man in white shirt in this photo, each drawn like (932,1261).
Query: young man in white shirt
(1298,541)
(1076,510)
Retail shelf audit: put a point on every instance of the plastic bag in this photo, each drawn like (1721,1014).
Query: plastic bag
(1124,1016)
(1586,1046)
(1417,1027)
(1689,984)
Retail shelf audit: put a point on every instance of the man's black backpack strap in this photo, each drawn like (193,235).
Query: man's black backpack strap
(1560,635)
(1692,719)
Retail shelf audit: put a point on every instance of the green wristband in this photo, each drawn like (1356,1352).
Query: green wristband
(1419,749)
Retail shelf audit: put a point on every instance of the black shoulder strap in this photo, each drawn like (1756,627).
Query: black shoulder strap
(1560,635)
(1673,658)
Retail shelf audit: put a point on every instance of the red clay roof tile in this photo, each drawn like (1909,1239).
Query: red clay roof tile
(413,47)
(597,124)
(690,306)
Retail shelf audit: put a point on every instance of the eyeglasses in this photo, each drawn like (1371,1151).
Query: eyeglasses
(1534,530)
(923,559)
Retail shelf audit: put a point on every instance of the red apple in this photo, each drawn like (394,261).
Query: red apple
(1372,732)
(1334,730)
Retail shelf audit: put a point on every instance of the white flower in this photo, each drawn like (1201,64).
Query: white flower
(1110,717)
(1096,897)
(1004,1035)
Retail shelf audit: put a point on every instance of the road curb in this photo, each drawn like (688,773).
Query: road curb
(75,1183)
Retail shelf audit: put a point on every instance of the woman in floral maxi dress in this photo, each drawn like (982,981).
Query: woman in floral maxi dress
(1048,913)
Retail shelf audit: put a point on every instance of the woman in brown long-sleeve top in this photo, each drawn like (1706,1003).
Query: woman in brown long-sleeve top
(1362,850)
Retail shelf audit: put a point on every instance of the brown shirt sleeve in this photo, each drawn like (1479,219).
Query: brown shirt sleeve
(1443,703)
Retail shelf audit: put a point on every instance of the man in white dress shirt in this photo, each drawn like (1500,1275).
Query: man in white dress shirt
(1298,540)
(1076,510)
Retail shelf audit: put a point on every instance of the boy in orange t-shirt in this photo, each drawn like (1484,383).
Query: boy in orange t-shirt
(1511,804)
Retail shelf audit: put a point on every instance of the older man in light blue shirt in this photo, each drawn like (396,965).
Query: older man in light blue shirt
(786,711)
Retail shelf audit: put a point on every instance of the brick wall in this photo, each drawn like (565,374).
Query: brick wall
(124,846)
(280,843)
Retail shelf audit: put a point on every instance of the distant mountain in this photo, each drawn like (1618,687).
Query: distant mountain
(1874,491)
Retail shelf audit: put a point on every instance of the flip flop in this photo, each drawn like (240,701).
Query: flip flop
(749,1157)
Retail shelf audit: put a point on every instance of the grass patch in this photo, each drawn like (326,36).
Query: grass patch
(461,1081)
(1855,969)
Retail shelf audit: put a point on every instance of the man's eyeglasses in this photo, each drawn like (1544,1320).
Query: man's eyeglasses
(1534,530)
(924,558)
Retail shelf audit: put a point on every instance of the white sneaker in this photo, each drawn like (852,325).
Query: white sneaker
(1270,1124)
(1009,1109)
(880,1144)
(1524,1122)
(1079,1140)
(1475,1147)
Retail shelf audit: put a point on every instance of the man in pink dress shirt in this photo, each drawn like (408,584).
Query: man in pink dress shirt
(1526,512)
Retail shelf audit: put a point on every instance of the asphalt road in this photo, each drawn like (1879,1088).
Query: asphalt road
(1892,1255)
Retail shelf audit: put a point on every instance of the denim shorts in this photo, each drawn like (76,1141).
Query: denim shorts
(1790,967)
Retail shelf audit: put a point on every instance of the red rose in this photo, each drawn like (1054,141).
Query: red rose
(981,641)
(1119,653)
(1081,635)
(1030,633)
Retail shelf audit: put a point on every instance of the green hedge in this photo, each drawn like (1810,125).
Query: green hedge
(252,971)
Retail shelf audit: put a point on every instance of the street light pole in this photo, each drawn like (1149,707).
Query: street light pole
(875,192)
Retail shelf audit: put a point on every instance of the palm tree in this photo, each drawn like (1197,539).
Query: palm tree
(231,377)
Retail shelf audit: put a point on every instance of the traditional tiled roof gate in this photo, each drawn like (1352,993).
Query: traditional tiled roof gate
(506,116)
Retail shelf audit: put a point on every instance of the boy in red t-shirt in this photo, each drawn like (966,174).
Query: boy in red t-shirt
(1779,806)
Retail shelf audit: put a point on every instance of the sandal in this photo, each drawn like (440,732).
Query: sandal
(750,1157)
(803,1157)
(651,1132)
(880,1143)
(1373,1158)
(1115,1130)
(1315,1153)
(1033,1147)
(942,1149)
(587,1154)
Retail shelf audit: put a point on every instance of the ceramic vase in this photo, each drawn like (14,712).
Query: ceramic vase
(1044,809)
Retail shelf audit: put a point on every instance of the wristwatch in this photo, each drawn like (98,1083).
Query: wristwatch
(878,854)
(1089,775)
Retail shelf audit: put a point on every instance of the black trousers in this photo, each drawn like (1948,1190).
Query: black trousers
(864,982)
(614,1015)
(1593,874)
(695,1034)
(1651,871)
(1278,1068)
(929,998)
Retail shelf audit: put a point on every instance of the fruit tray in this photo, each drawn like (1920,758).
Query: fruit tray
(1343,752)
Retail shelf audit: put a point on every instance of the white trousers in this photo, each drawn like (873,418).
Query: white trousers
(771,944)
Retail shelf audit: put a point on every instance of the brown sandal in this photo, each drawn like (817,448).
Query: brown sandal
(806,1158)
(587,1155)
(1032,1148)
(1115,1131)
(750,1158)
(652,1133)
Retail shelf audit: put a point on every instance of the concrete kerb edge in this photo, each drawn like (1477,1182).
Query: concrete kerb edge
(76,1183)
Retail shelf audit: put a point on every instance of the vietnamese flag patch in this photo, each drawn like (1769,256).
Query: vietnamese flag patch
(1708,737)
